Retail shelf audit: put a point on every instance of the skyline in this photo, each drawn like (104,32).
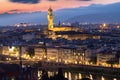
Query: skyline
(21,6)
(80,37)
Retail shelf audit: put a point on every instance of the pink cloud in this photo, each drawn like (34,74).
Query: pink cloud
(43,5)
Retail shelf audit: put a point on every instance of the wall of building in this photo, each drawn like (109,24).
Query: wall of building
(64,55)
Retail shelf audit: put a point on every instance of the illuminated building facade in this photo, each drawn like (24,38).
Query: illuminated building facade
(51,26)
(50,19)
(103,58)
(73,37)
(62,55)
(53,32)
(13,51)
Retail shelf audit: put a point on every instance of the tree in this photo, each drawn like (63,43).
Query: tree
(85,79)
(112,62)
(44,75)
(117,54)
(31,51)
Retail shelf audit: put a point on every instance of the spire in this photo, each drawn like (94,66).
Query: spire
(50,9)
(59,24)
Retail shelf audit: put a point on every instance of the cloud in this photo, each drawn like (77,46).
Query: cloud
(14,11)
(80,0)
(51,0)
(84,0)
(26,1)
(18,11)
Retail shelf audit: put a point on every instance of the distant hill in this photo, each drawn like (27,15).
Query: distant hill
(93,13)
(35,17)
(96,18)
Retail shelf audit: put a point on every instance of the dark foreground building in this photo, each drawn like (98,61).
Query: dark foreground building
(15,72)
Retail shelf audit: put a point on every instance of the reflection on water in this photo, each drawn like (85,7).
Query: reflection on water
(91,77)
(102,78)
(114,79)
(78,76)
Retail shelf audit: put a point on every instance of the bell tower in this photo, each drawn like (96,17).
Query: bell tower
(50,19)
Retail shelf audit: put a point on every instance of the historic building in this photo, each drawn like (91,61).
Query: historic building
(102,59)
(67,32)
(65,55)
(62,28)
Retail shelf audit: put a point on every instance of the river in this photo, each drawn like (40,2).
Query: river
(79,75)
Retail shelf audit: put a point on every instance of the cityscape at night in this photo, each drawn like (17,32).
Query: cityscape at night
(59,40)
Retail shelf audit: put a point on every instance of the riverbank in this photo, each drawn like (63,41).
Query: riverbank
(94,70)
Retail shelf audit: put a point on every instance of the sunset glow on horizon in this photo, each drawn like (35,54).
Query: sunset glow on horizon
(9,6)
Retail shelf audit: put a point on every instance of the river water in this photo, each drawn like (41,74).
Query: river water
(78,76)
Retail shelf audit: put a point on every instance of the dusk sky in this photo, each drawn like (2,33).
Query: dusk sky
(17,6)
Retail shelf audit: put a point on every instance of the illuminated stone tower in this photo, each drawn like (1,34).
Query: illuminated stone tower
(50,19)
